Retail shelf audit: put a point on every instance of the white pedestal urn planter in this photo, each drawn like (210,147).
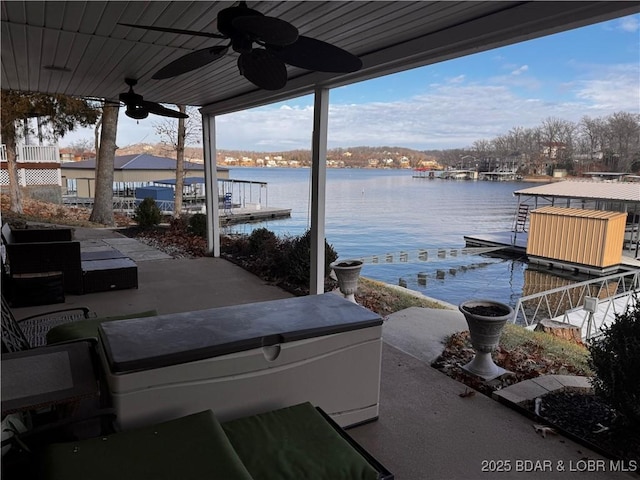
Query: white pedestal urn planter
(486,319)
(347,272)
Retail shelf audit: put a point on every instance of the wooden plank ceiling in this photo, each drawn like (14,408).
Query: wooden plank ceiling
(78,48)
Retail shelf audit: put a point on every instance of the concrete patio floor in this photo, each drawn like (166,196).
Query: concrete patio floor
(425,430)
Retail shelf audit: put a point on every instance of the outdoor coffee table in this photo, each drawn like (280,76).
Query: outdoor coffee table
(102,255)
(112,273)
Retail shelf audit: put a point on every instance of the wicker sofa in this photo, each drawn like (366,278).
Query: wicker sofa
(39,250)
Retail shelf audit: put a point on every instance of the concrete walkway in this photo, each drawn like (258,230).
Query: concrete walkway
(426,430)
(99,239)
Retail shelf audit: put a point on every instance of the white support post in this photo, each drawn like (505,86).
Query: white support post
(318,188)
(211,184)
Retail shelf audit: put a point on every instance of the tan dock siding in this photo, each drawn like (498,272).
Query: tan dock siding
(586,237)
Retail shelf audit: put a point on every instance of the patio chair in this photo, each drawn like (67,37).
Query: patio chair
(30,332)
(59,391)
(87,329)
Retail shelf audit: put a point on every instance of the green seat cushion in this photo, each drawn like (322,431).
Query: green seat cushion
(295,443)
(88,328)
(188,448)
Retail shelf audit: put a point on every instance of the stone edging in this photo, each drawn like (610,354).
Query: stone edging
(533,388)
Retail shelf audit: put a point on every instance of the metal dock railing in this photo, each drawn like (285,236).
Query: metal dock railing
(614,294)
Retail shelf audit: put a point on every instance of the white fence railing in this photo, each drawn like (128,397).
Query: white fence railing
(38,154)
(566,304)
(33,153)
(33,176)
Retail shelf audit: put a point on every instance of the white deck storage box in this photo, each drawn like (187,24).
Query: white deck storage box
(246,359)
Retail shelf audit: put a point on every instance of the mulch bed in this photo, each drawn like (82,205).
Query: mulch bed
(586,418)
(525,362)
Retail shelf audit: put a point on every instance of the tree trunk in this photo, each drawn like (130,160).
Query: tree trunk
(177,204)
(96,138)
(15,194)
(560,330)
(103,198)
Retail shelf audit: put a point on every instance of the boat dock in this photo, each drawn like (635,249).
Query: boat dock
(230,214)
(598,236)
(250,215)
(504,241)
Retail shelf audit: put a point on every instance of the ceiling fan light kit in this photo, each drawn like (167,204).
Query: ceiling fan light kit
(139,109)
(136,112)
(278,45)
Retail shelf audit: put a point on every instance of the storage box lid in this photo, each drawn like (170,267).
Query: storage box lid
(155,342)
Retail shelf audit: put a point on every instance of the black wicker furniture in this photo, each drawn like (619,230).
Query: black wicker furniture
(104,271)
(41,250)
(29,332)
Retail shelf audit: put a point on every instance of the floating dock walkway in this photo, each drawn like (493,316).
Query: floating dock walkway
(503,240)
(249,215)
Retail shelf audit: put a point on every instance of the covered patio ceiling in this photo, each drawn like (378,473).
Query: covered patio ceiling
(79,48)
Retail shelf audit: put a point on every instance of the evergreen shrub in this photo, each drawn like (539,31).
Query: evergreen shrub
(297,259)
(286,261)
(615,359)
(198,224)
(263,242)
(147,214)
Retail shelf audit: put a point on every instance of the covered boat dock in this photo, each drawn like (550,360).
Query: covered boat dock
(621,196)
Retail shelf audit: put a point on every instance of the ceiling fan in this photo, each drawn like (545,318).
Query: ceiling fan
(278,44)
(138,108)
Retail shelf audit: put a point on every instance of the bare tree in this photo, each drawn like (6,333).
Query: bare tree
(177,136)
(103,198)
(623,139)
(557,136)
(81,147)
(591,139)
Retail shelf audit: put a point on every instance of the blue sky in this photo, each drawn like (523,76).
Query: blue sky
(593,71)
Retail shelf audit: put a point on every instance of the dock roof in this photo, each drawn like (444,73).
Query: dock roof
(586,189)
(138,161)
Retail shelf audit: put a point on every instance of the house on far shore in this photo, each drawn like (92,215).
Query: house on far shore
(130,171)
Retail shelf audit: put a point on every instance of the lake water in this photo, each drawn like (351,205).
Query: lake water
(408,230)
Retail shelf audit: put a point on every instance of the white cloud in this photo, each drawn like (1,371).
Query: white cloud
(610,89)
(629,24)
(520,70)
(449,115)
(130,132)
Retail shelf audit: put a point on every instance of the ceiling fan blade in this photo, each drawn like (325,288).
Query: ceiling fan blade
(191,61)
(263,69)
(158,109)
(317,55)
(265,29)
(175,30)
